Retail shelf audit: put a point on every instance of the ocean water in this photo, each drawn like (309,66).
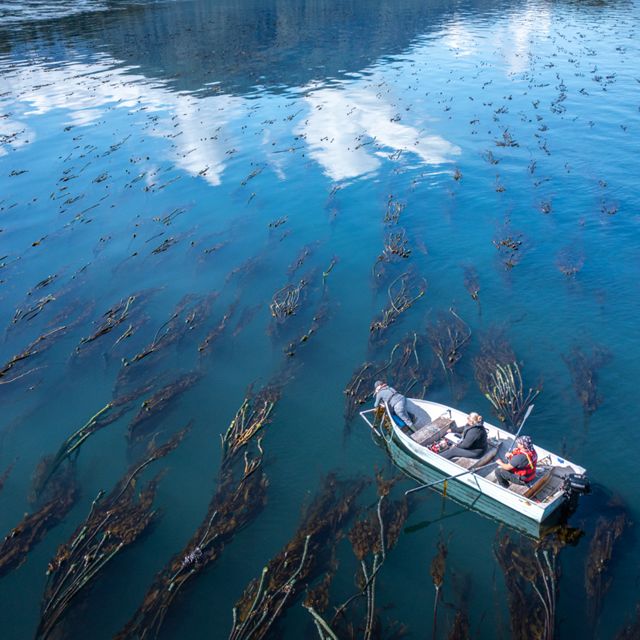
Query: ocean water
(227,149)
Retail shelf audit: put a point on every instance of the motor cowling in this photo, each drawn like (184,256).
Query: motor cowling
(577,483)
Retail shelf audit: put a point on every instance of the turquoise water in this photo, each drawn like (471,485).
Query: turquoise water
(159,146)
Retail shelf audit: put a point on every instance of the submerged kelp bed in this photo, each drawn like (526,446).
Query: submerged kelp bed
(237,216)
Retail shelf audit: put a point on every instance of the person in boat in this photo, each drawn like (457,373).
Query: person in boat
(396,402)
(520,467)
(474,439)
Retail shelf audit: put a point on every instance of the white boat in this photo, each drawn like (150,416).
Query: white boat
(558,481)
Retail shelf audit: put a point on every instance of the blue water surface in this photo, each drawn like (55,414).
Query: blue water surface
(159,149)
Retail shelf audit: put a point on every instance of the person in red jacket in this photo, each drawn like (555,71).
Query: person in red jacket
(520,467)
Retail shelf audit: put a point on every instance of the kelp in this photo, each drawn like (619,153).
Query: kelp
(437,570)
(320,317)
(609,530)
(495,349)
(286,301)
(39,345)
(631,631)
(531,575)
(472,282)
(305,556)
(240,496)
(157,404)
(205,346)
(113,523)
(252,416)
(113,317)
(61,495)
(5,475)
(70,448)
(302,257)
(506,393)
(374,534)
(404,368)
(396,248)
(403,292)
(30,312)
(447,337)
(584,373)
(190,312)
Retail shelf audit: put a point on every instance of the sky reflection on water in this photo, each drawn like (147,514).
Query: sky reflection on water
(190,148)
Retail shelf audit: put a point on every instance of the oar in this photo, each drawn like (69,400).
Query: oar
(526,415)
(431,484)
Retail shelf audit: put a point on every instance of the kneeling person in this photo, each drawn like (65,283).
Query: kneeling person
(520,467)
(474,439)
(394,400)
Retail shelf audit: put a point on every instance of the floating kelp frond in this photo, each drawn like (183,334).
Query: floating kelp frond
(306,554)
(190,312)
(60,497)
(506,392)
(447,336)
(236,503)
(402,292)
(320,317)
(218,330)
(158,402)
(531,575)
(113,523)
(584,372)
(371,536)
(240,497)
(601,549)
(286,301)
(472,282)
(252,416)
(106,416)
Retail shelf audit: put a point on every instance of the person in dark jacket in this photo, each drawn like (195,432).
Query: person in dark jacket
(474,439)
(394,400)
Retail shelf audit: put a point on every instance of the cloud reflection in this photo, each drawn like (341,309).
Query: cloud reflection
(350,130)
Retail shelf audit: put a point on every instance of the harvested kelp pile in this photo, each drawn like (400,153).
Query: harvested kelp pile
(56,502)
(305,556)
(113,523)
(240,496)
(609,529)
(584,373)
(155,405)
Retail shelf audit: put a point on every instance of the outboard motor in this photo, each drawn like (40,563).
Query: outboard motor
(575,485)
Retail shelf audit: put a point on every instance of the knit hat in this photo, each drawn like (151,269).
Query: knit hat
(525,442)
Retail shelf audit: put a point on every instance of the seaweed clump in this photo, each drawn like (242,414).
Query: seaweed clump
(304,556)
(112,524)
(240,496)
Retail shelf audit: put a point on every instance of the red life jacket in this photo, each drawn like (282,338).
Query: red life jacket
(529,472)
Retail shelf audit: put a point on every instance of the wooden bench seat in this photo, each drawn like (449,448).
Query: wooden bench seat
(467,463)
(433,431)
(531,490)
